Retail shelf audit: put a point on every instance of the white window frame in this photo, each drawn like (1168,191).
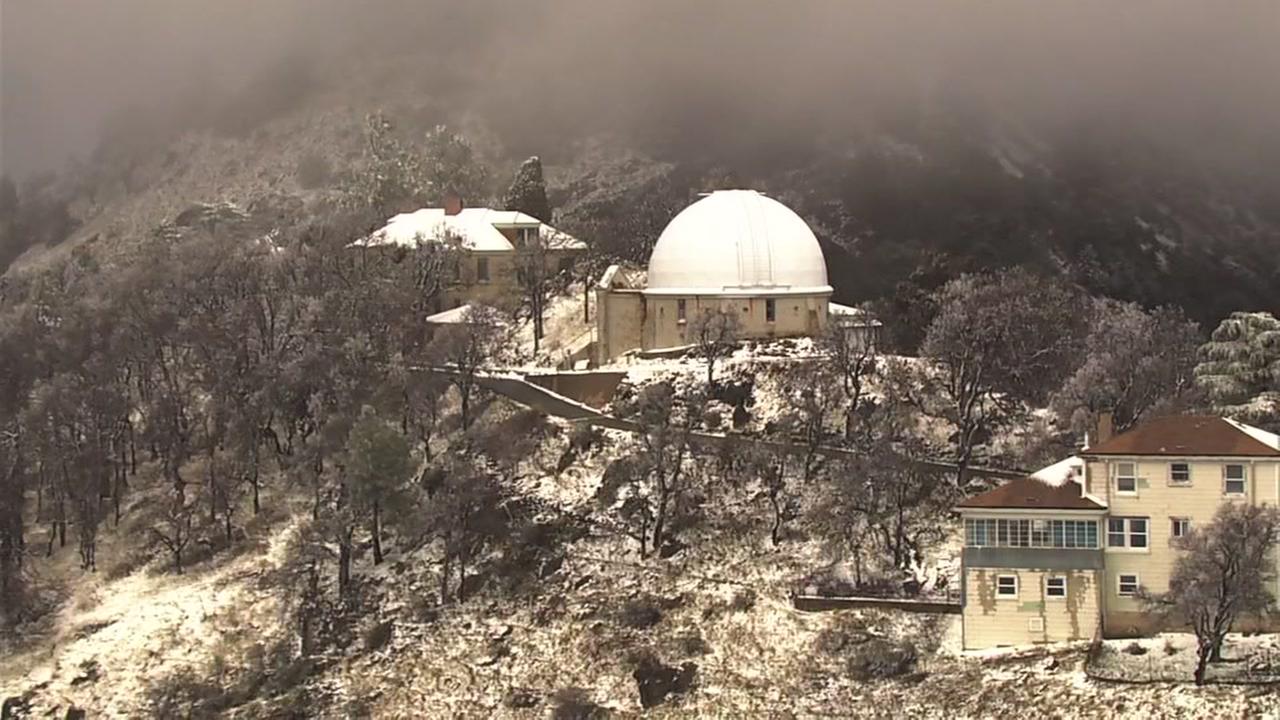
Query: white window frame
(1000,590)
(1227,480)
(1127,533)
(1120,583)
(1173,481)
(1173,527)
(1049,582)
(1132,476)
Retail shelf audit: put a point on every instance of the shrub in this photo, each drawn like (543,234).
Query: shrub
(575,704)
(639,613)
(1134,648)
(878,659)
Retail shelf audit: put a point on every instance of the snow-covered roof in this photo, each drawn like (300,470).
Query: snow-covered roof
(736,241)
(1266,438)
(852,314)
(475,229)
(454,316)
(1060,472)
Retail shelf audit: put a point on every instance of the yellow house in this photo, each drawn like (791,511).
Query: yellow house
(1061,555)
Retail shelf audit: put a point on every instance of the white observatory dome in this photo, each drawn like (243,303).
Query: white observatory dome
(737,242)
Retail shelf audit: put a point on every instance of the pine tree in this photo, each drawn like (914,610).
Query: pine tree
(1239,369)
(528,191)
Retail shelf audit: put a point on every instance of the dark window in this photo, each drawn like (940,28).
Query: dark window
(1235,484)
(1126,477)
(771,310)
(482,269)
(1127,532)
(1180,473)
(1055,586)
(1006,586)
(1127,584)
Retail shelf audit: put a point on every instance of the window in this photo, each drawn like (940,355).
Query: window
(1031,533)
(1127,584)
(1007,586)
(1039,533)
(482,269)
(1179,474)
(770,310)
(1127,532)
(681,309)
(1055,586)
(1127,477)
(1234,483)
(1179,527)
(528,236)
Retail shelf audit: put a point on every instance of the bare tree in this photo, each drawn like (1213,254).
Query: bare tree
(999,341)
(714,334)
(654,479)
(536,280)
(173,528)
(1224,571)
(482,338)
(768,467)
(814,397)
(852,358)
(1136,361)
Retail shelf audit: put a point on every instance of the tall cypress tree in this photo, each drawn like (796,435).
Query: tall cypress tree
(528,191)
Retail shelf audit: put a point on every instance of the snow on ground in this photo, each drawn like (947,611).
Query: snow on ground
(115,638)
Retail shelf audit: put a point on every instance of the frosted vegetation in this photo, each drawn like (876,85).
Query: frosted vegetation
(230,486)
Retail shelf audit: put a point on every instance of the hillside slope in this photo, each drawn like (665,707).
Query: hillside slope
(900,201)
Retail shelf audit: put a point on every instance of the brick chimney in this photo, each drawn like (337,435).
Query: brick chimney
(1104,429)
(452,203)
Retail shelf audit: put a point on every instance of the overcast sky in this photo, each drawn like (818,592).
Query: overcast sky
(1191,70)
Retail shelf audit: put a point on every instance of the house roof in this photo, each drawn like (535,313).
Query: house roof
(475,228)
(1034,493)
(1190,435)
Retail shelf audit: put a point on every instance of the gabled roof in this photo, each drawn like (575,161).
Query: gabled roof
(474,228)
(1191,435)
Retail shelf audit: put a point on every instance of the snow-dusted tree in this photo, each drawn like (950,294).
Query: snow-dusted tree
(814,396)
(768,466)
(714,334)
(393,178)
(481,338)
(1239,369)
(1224,571)
(853,360)
(450,165)
(650,483)
(999,340)
(378,463)
(1135,361)
(466,513)
(172,528)
(536,280)
(528,191)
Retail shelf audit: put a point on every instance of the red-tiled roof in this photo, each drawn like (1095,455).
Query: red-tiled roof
(1030,494)
(1184,435)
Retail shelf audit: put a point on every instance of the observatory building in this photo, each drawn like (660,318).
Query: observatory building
(732,251)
